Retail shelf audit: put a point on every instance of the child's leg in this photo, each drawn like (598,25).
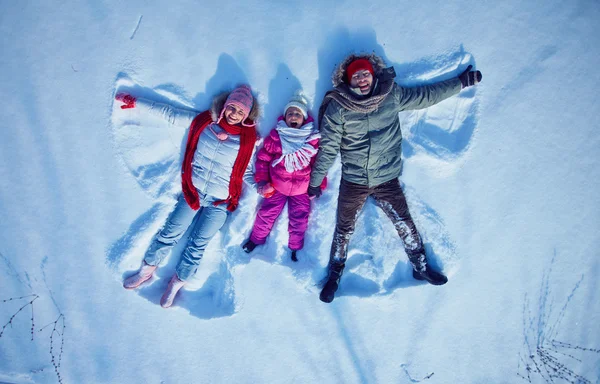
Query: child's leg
(298,212)
(209,222)
(269,211)
(178,222)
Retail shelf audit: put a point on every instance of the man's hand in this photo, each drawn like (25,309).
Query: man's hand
(314,192)
(127,99)
(468,77)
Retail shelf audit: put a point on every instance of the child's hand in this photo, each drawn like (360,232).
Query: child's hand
(266,190)
(314,192)
(127,99)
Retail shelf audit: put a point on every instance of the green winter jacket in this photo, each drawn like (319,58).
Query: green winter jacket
(370,143)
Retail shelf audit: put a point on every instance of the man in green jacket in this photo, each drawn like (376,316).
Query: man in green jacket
(359,119)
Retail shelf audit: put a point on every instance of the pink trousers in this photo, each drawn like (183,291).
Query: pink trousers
(269,211)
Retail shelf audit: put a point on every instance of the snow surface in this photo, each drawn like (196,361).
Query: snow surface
(502,181)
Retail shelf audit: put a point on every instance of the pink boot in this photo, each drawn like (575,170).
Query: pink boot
(174,286)
(144,274)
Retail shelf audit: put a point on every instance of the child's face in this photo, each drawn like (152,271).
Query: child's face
(233,114)
(362,79)
(294,117)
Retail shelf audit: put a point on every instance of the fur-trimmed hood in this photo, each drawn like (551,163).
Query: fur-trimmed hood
(219,102)
(339,75)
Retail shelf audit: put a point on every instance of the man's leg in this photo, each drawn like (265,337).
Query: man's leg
(390,198)
(351,199)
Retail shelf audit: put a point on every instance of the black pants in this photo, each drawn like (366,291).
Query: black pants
(390,198)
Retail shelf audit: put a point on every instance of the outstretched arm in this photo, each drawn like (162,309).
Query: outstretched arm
(177,116)
(428,95)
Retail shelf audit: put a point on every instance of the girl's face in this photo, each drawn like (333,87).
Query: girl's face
(233,114)
(362,79)
(294,117)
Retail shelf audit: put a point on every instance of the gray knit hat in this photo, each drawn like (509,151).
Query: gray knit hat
(299,101)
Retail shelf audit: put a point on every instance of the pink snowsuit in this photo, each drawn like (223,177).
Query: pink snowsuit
(290,187)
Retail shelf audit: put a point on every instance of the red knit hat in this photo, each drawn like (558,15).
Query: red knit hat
(359,65)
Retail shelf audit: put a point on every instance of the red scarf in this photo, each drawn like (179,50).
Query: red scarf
(247,141)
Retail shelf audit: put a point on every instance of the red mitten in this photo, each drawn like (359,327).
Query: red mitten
(324,183)
(127,99)
(266,190)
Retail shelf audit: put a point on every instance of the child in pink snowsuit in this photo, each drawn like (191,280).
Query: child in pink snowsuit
(282,171)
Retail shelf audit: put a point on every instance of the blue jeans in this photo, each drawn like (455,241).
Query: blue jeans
(209,220)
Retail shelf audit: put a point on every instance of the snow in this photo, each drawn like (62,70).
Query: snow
(502,181)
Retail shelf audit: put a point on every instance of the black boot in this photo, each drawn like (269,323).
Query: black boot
(431,276)
(294,258)
(333,281)
(423,271)
(249,246)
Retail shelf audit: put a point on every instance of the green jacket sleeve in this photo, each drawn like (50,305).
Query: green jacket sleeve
(331,128)
(425,95)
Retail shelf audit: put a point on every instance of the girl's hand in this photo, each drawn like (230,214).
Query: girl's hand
(266,190)
(127,99)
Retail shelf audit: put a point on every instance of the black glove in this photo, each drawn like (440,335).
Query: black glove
(468,77)
(314,192)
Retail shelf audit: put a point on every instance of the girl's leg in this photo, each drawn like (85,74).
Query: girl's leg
(269,211)
(178,222)
(298,212)
(209,222)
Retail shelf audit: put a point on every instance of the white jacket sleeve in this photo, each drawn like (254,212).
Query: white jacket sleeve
(249,172)
(177,116)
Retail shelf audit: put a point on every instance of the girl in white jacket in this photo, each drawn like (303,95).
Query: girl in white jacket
(217,157)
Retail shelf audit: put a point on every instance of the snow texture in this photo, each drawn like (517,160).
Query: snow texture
(501,180)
